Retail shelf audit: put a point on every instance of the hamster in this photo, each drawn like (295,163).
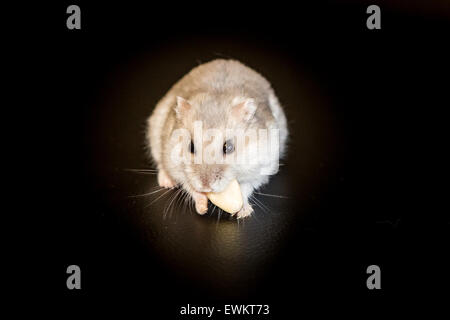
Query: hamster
(225,95)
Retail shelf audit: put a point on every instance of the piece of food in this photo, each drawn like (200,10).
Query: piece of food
(230,199)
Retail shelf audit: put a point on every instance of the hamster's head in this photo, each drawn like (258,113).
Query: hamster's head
(211,128)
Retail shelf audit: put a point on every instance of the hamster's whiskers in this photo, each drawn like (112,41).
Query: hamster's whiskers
(162,195)
(172,199)
(259,204)
(271,195)
(148,193)
(143,171)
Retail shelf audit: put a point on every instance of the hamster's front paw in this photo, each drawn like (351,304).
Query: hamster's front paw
(164,180)
(201,203)
(246,211)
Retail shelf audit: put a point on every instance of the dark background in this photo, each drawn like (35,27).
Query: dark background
(360,105)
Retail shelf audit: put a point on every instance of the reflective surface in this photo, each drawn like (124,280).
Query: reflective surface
(215,251)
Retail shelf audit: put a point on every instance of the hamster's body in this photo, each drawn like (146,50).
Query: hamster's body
(224,95)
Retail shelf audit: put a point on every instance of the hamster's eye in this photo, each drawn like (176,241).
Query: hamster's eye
(228,147)
(191,147)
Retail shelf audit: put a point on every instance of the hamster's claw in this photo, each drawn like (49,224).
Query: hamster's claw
(246,211)
(164,180)
(201,208)
(201,203)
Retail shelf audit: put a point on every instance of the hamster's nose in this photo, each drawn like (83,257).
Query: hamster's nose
(205,184)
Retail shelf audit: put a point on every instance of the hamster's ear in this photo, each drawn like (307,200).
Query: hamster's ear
(182,107)
(244,110)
